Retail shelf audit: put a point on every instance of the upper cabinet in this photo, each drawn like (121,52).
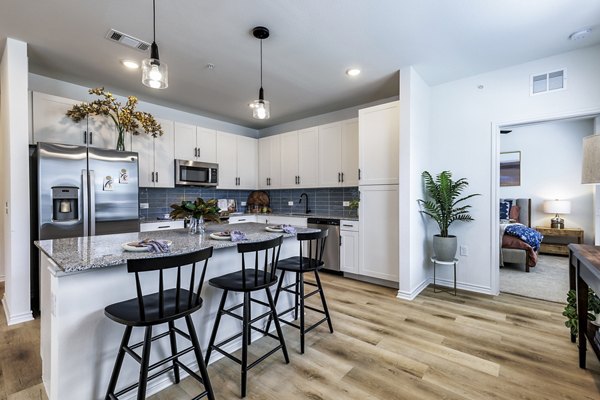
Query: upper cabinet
(156,157)
(50,124)
(195,143)
(378,131)
(299,158)
(338,154)
(237,157)
(269,162)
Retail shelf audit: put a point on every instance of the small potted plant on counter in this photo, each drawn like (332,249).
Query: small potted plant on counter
(197,212)
(444,207)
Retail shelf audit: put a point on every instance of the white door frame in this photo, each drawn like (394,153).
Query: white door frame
(495,181)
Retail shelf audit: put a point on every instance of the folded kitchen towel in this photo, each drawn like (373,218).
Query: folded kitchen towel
(156,246)
(237,236)
(288,229)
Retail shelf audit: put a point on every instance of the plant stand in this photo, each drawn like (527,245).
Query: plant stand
(435,261)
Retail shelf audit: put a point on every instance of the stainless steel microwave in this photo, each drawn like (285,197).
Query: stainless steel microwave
(194,173)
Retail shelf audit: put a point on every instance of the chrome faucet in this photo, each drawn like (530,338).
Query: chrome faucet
(306,210)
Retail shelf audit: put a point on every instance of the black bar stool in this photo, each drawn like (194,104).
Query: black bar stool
(313,245)
(165,306)
(249,280)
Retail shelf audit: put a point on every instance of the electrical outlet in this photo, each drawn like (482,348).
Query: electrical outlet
(346,203)
(243,204)
(290,203)
(464,251)
(144,205)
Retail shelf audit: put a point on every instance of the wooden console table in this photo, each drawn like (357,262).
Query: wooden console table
(584,273)
(573,235)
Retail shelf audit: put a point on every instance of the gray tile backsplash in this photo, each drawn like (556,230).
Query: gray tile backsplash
(323,201)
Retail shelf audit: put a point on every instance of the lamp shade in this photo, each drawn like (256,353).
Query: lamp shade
(590,172)
(557,206)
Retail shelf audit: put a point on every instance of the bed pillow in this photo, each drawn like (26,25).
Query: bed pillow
(514,212)
(505,208)
(526,234)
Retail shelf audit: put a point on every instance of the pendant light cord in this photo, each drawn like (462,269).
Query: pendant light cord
(261,63)
(154,20)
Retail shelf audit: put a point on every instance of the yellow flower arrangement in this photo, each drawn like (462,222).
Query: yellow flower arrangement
(126,118)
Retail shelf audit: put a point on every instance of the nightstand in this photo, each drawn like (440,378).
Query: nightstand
(556,240)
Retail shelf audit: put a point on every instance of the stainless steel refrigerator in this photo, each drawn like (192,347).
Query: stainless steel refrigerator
(86,191)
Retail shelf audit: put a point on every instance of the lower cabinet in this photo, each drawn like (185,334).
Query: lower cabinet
(349,246)
(241,219)
(378,250)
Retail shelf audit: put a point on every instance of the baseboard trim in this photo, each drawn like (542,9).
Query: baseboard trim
(15,319)
(414,293)
(2,278)
(447,283)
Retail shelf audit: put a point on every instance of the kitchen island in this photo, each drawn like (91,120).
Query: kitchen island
(81,276)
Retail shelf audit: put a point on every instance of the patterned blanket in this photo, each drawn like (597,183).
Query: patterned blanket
(526,234)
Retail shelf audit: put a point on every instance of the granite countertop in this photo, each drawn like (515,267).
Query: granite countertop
(90,252)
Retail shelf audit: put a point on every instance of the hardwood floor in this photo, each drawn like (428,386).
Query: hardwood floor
(437,346)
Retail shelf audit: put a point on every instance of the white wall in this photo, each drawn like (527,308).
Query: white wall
(39,83)
(415,100)
(551,169)
(15,192)
(464,139)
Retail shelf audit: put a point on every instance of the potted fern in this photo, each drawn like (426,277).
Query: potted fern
(445,207)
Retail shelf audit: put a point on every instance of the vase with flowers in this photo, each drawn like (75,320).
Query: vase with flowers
(125,117)
(197,213)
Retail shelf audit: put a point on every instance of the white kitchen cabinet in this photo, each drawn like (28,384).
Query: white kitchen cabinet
(299,159)
(378,227)
(338,154)
(242,219)
(378,134)
(156,157)
(50,124)
(195,143)
(237,157)
(349,244)
(161,226)
(269,162)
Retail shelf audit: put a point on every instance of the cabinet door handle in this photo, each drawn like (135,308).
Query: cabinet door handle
(339,177)
(359,174)
(298,179)
(84,137)
(349,226)
(163,227)
(198,151)
(91,137)
(152,176)
(195,152)
(342,177)
(156,176)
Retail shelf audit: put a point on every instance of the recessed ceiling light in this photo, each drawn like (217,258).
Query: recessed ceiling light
(352,71)
(130,64)
(582,34)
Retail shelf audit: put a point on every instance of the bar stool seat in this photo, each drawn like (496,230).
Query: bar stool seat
(128,312)
(297,264)
(165,306)
(247,281)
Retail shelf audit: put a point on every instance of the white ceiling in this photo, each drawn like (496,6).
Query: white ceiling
(312,43)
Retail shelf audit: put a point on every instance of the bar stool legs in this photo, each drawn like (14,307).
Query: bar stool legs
(199,359)
(112,385)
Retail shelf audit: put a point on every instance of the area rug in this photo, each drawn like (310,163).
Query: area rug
(548,280)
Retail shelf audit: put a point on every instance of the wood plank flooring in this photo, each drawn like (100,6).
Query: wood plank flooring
(435,347)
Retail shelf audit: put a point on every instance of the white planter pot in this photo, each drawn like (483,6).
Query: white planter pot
(444,248)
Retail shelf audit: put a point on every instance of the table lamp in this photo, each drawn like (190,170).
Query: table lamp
(557,207)
(590,172)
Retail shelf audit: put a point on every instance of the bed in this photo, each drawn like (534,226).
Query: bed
(512,249)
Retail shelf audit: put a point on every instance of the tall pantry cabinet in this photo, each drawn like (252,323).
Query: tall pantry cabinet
(378,134)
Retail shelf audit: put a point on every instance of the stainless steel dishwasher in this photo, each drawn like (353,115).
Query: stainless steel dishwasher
(331,255)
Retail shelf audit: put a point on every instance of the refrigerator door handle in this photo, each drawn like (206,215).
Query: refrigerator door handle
(92,203)
(84,196)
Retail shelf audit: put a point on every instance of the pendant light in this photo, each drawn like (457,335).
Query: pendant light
(261,108)
(154,72)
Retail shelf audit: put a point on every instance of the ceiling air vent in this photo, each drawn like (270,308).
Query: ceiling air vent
(548,82)
(127,40)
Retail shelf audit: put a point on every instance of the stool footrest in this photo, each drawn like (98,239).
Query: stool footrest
(310,328)
(135,385)
(311,283)
(263,357)
(290,323)
(306,296)
(231,314)
(226,354)
(290,291)
(232,338)
(191,373)
(170,358)
(314,309)
(262,303)
(140,344)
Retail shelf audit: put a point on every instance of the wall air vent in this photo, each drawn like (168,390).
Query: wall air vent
(548,82)
(127,40)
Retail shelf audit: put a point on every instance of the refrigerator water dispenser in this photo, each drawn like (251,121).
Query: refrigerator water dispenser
(65,203)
